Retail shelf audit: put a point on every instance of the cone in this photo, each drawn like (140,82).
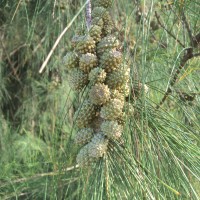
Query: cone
(103,3)
(99,94)
(87,62)
(111,60)
(83,136)
(77,79)
(111,129)
(95,33)
(111,110)
(118,78)
(70,60)
(84,115)
(83,44)
(98,146)
(97,75)
(107,43)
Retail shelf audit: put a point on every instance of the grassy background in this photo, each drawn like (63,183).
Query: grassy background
(160,159)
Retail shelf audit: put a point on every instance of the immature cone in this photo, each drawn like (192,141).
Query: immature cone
(111,60)
(83,136)
(70,60)
(98,146)
(118,78)
(99,94)
(107,24)
(97,21)
(111,129)
(84,44)
(84,115)
(111,110)
(77,79)
(125,89)
(103,3)
(98,12)
(83,159)
(96,123)
(97,75)
(115,94)
(95,33)
(107,43)
(87,62)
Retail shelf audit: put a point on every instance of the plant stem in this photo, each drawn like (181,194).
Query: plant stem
(88,14)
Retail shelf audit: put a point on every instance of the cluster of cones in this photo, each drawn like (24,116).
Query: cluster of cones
(97,64)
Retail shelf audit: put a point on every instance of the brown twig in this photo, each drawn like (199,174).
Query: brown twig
(12,65)
(188,55)
(170,33)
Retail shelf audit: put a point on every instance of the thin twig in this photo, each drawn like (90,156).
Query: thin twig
(159,22)
(59,38)
(188,28)
(44,174)
(189,54)
(14,69)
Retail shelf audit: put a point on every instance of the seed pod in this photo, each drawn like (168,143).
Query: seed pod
(111,129)
(77,79)
(83,136)
(111,60)
(97,75)
(87,62)
(98,146)
(70,60)
(111,110)
(107,43)
(99,94)
(84,115)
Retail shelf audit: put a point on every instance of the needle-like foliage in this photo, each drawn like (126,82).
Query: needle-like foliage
(157,156)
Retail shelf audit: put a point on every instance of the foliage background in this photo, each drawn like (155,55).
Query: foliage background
(160,158)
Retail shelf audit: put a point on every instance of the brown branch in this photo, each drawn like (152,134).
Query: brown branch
(196,40)
(169,32)
(188,55)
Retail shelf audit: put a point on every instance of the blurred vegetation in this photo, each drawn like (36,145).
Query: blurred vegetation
(161,154)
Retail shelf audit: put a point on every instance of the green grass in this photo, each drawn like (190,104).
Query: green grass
(160,155)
